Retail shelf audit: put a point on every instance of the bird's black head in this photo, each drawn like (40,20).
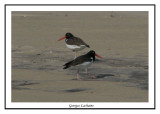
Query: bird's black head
(93,54)
(68,35)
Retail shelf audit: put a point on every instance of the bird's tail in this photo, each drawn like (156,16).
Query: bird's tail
(66,66)
(88,46)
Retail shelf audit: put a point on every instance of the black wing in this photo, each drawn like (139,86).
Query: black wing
(77,61)
(76,41)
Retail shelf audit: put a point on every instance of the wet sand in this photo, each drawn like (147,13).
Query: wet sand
(121,38)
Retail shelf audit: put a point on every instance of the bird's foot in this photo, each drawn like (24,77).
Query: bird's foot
(92,76)
(78,78)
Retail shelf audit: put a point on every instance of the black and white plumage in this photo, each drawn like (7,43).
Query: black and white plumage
(83,61)
(74,43)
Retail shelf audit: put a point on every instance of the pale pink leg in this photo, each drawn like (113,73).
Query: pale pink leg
(78,78)
(75,55)
(92,76)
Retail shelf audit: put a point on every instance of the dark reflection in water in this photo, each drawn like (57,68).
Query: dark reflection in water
(75,90)
(134,71)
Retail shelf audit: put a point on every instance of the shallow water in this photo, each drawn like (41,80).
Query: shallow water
(121,38)
(115,69)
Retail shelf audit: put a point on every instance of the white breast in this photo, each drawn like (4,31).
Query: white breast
(86,64)
(75,47)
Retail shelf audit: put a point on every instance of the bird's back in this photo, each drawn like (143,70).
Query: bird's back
(76,41)
(77,61)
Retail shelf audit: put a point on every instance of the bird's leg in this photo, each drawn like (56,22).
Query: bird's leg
(75,54)
(92,76)
(86,69)
(78,78)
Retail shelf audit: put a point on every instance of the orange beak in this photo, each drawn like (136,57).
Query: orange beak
(99,56)
(62,38)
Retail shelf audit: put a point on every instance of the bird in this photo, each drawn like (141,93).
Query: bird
(83,61)
(74,43)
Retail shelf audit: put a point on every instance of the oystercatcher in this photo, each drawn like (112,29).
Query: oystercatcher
(74,43)
(83,61)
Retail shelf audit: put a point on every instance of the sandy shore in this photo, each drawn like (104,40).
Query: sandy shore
(37,86)
(121,38)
